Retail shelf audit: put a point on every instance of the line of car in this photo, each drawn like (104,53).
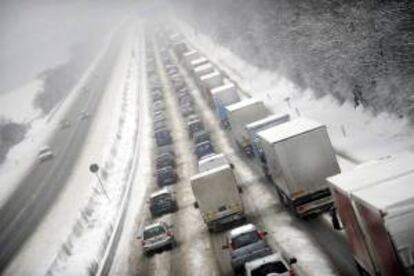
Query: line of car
(218,194)
(374,201)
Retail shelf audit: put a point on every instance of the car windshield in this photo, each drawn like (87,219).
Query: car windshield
(153,232)
(244,239)
(275,267)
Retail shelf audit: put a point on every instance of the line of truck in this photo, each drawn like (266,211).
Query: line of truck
(374,201)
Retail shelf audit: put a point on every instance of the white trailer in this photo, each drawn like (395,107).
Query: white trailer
(265,123)
(218,197)
(299,157)
(197,62)
(378,193)
(241,114)
(223,96)
(201,70)
(190,56)
(210,81)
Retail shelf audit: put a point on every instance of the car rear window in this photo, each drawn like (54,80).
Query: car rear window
(275,267)
(153,232)
(244,239)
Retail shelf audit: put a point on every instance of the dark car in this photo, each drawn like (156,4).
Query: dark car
(194,126)
(163,137)
(156,95)
(166,149)
(163,202)
(166,176)
(201,136)
(157,125)
(203,149)
(158,105)
(165,160)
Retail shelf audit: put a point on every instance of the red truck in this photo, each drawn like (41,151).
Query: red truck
(375,202)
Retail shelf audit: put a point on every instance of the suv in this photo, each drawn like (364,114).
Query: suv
(273,265)
(203,149)
(156,237)
(246,243)
(162,202)
(166,176)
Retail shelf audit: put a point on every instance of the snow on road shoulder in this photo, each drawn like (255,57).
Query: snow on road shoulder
(355,132)
(21,158)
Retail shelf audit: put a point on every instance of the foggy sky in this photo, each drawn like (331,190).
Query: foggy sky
(38,34)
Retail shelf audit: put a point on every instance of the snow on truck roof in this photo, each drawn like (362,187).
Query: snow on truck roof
(242,229)
(242,104)
(289,129)
(210,75)
(212,171)
(267,119)
(222,87)
(373,173)
(191,52)
(203,67)
(392,197)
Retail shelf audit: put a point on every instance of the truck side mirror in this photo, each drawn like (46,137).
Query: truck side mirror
(240,189)
(232,166)
(293,260)
(196,205)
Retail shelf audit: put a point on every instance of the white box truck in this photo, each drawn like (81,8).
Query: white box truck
(299,157)
(241,114)
(209,82)
(218,198)
(190,56)
(201,70)
(265,123)
(223,96)
(375,202)
(197,62)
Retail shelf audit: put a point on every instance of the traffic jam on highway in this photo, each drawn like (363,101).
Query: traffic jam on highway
(372,204)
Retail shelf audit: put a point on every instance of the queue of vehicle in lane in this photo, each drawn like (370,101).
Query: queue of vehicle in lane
(217,194)
(299,160)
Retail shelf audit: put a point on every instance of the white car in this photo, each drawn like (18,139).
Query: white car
(156,237)
(273,265)
(45,153)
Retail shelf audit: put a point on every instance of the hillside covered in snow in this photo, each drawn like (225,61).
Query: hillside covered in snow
(362,51)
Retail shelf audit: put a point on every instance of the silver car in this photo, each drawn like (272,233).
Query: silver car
(156,237)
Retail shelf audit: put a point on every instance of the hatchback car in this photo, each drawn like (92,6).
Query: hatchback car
(163,202)
(203,149)
(194,126)
(156,237)
(246,243)
(201,136)
(163,137)
(166,176)
(165,160)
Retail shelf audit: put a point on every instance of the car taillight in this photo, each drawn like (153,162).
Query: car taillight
(292,273)
(143,243)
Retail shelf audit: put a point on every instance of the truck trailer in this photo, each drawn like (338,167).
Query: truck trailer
(221,97)
(241,114)
(208,82)
(299,157)
(265,123)
(375,202)
(218,198)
